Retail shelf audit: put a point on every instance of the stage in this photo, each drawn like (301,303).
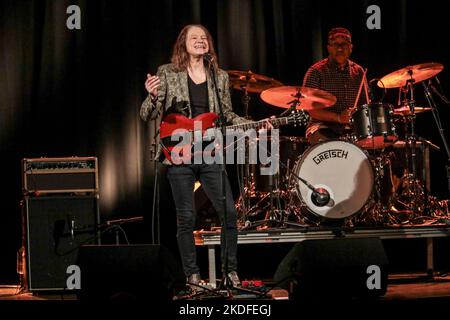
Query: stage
(402,286)
(211,239)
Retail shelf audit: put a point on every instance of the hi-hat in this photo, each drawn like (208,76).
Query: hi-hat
(308,98)
(405,110)
(255,83)
(418,72)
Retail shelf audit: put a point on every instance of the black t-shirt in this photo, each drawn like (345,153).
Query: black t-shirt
(198,94)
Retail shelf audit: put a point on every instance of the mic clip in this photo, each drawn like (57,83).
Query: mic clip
(320,197)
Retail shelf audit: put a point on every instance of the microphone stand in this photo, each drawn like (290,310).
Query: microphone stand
(320,196)
(226,281)
(155,203)
(221,125)
(437,119)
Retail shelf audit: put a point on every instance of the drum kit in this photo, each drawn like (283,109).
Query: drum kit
(348,181)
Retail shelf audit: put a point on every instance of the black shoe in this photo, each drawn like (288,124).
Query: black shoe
(234,278)
(194,279)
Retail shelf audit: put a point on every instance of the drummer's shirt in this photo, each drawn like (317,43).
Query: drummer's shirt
(342,83)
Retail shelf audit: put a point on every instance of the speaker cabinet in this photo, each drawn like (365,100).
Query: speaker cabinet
(128,272)
(55,228)
(335,269)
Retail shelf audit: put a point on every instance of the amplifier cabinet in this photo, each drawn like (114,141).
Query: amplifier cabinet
(60,175)
(56,226)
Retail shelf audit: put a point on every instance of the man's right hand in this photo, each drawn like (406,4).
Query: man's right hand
(152,84)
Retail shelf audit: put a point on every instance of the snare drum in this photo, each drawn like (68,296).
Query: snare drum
(373,126)
(343,170)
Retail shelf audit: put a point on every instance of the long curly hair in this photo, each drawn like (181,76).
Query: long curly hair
(180,57)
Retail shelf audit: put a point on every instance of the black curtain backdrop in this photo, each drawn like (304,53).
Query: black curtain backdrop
(78,92)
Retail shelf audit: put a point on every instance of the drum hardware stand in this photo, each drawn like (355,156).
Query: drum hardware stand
(378,211)
(274,200)
(270,217)
(275,215)
(414,193)
(248,190)
(249,185)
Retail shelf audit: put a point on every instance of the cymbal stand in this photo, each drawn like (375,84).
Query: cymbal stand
(245,101)
(276,193)
(268,202)
(247,187)
(379,208)
(414,192)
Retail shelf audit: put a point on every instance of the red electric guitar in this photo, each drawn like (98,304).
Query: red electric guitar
(174,125)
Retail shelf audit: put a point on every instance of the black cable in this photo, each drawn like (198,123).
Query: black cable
(204,288)
(123,233)
(291,276)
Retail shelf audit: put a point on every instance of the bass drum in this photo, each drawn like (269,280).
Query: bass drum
(343,170)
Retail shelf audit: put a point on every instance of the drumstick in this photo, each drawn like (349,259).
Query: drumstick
(366,88)
(359,90)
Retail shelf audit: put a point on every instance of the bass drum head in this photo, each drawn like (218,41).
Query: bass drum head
(341,168)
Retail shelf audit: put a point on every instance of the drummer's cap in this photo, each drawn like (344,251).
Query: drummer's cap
(339,32)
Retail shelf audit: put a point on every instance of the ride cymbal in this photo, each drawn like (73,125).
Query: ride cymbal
(418,73)
(307,98)
(255,83)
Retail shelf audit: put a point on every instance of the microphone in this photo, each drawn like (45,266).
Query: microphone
(320,197)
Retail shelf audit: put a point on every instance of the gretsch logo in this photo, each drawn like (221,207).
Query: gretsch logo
(329,154)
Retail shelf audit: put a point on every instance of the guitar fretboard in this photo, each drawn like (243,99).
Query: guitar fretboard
(256,124)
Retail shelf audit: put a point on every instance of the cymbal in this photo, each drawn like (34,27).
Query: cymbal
(418,72)
(254,83)
(309,98)
(405,110)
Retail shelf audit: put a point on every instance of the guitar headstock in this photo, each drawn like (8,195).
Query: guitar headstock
(298,117)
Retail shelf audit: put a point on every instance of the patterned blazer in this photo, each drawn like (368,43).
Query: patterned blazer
(174,84)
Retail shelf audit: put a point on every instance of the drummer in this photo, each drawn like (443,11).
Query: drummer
(341,77)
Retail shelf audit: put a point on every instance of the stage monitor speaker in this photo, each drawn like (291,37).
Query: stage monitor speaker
(128,272)
(335,268)
(55,228)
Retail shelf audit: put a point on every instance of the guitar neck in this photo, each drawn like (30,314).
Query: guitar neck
(256,124)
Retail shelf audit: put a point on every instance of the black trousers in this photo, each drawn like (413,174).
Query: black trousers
(182,179)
